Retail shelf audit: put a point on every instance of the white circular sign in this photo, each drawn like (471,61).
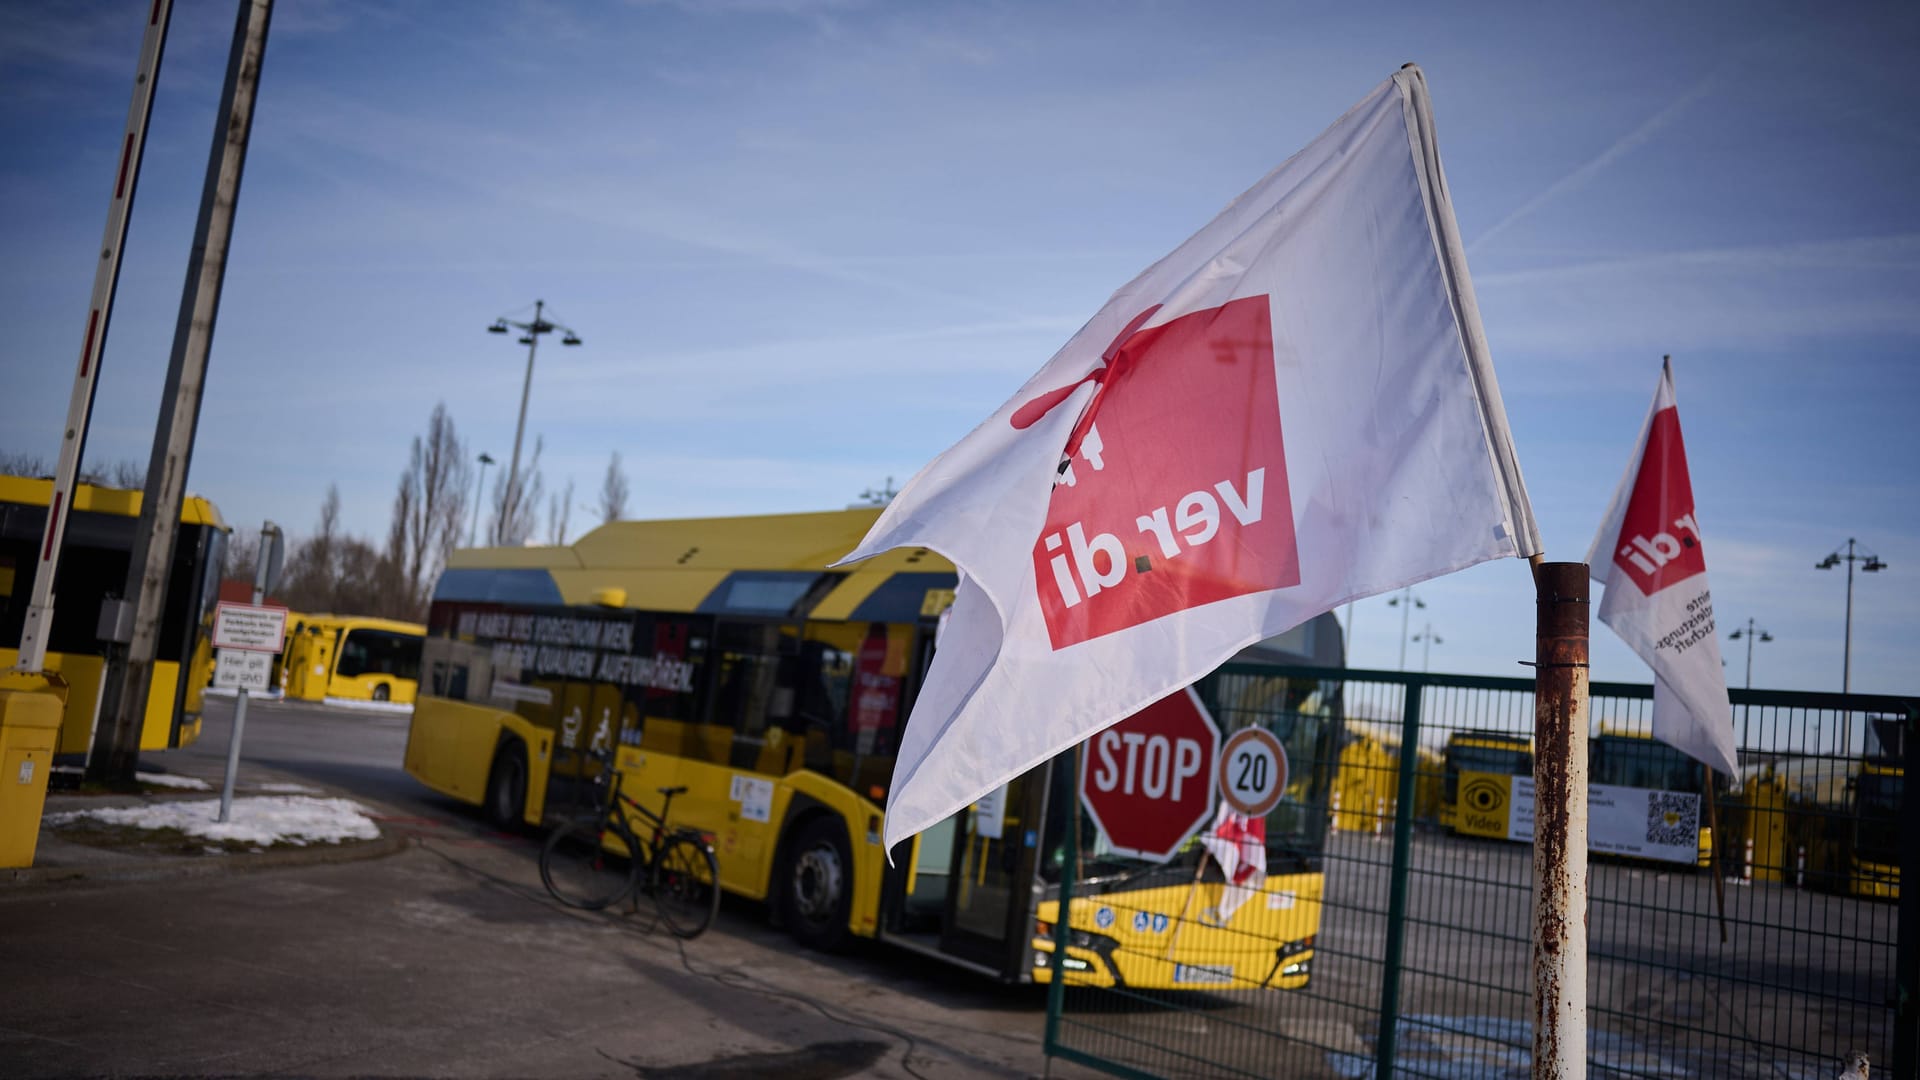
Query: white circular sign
(1253,771)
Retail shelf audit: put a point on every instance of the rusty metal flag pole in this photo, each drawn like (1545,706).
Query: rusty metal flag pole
(1560,822)
(1713,852)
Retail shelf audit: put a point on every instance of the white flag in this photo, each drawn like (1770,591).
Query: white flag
(1294,409)
(1651,557)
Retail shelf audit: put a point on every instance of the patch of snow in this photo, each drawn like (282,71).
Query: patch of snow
(264,820)
(184,783)
(368,706)
(287,789)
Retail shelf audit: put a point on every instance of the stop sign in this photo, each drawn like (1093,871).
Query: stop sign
(1148,781)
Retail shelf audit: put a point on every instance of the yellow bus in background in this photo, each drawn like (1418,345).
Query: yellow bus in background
(93,564)
(1874,811)
(351,658)
(723,656)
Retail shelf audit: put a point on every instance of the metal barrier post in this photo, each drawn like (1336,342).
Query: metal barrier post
(1560,823)
(1906,964)
(1387,1045)
(1063,924)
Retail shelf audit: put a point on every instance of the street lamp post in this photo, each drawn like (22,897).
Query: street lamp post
(1428,640)
(1751,634)
(1868,564)
(479,499)
(1406,602)
(531,339)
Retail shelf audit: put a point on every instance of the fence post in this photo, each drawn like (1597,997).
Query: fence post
(1906,963)
(1063,925)
(1388,1043)
(1560,823)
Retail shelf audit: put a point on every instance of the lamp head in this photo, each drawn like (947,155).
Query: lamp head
(570,339)
(1764,636)
(485,458)
(1736,635)
(1873,564)
(1828,563)
(498,327)
(528,340)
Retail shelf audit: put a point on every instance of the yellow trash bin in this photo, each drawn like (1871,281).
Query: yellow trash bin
(29,727)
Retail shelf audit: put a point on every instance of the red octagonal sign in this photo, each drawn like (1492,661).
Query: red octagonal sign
(1148,781)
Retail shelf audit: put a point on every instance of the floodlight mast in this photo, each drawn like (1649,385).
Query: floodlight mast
(509,504)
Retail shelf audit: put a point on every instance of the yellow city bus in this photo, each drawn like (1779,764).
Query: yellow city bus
(723,656)
(1874,846)
(93,563)
(350,658)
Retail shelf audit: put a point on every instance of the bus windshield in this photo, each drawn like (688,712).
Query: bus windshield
(1296,828)
(1628,761)
(1878,795)
(1489,759)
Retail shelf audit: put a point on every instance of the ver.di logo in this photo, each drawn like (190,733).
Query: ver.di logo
(1173,492)
(1659,540)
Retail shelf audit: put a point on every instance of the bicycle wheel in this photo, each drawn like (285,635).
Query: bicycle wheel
(686,885)
(580,872)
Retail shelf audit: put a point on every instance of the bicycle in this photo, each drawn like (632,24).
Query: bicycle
(683,877)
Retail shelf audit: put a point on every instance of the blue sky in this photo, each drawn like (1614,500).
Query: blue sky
(811,244)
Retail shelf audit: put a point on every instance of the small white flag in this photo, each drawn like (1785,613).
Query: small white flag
(1294,409)
(1651,557)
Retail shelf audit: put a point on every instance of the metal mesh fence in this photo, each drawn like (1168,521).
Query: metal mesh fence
(1402,847)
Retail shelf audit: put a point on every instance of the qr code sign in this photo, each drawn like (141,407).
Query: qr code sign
(1673,819)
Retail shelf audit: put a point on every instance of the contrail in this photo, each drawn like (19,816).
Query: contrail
(1620,148)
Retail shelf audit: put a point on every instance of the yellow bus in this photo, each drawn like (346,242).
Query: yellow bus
(350,658)
(1874,846)
(723,655)
(93,564)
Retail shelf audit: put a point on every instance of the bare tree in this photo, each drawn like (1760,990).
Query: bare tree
(429,505)
(516,506)
(122,473)
(19,463)
(559,512)
(240,555)
(613,492)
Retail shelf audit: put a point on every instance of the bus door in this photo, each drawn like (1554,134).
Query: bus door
(964,888)
(990,894)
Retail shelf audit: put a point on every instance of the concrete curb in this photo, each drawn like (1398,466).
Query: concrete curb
(170,867)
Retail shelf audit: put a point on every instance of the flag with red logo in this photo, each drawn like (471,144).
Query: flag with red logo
(1239,844)
(1294,409)
(1651,557)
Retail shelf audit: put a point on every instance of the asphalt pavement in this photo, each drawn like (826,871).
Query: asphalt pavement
(434,952)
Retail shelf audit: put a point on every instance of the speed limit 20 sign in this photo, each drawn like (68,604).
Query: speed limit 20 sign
(1253,771)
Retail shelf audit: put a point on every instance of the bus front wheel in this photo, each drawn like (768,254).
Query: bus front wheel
(381,693)
(818,895)
(507,787)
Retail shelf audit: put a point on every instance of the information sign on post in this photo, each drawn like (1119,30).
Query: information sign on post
(243,669)
(249,627)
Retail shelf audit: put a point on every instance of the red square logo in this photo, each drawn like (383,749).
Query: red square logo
(1174,491)
(1659,541)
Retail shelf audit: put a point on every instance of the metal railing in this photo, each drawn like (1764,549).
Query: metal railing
(1753,933)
